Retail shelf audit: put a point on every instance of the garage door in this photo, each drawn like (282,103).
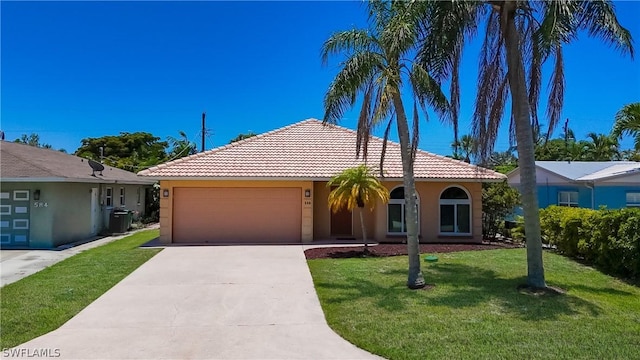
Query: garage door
(237,215)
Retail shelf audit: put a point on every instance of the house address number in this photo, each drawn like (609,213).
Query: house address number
(40,204)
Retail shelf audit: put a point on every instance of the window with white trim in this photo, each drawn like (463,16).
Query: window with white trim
(122,199)
(568,198)
(396,209)
(108,196)
(455,212)
(633,199)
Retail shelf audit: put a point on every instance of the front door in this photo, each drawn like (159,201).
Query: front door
(342,223)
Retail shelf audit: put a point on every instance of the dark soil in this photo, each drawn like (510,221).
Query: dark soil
(383,250)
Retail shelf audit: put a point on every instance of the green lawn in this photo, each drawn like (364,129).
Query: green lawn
(475,311)
(45,300)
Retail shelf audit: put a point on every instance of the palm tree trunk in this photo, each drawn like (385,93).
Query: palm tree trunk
(364,231)
(524,137)
(415,279)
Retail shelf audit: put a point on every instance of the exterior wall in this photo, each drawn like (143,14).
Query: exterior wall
(166,203)
(376,220)
(134,200)
(66,217)
(611,197)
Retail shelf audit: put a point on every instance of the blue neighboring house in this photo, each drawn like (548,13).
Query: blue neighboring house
(587,184)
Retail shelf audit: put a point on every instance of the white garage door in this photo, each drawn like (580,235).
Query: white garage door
(237,215)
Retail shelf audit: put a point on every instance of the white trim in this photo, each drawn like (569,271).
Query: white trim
(568,203)
(275,178)
(142,181)
(16,193)
(633,202)
(122,197)
(5,209)
(108,196)
(402,202)
(5,238)
(455,203)
(25,225)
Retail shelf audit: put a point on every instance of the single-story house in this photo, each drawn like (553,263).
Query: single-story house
(49,198)
(272,188)
(587,184)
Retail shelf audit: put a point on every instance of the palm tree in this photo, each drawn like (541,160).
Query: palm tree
(377,66)
(628,123)
(519,37)
(356,187)
(467,145)
(602,147)
(181,147)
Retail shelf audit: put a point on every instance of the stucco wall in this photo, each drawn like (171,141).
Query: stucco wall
(166,203)
(376,220)
(66,217)
(612,197)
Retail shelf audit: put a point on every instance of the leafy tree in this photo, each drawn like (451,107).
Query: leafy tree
(181,147)
(377,62)
(519,37)
(502,162)
(128,151)
(628,123)
(498,201)
(242,137)
(602,147)
(356,187)
(33,140)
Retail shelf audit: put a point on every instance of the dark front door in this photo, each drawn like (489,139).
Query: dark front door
(341,223)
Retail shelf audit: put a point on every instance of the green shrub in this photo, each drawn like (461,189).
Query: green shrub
(609,239)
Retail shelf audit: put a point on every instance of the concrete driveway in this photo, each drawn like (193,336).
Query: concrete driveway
(222,302)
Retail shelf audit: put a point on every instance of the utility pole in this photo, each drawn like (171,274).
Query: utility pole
(204,131)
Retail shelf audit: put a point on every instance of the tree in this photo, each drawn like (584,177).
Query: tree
(33,140)
(128,151)
(377,64)
(243,136)
(628,123)
(498,201)
(602,147)
(181,147)
(517,33)
(356,187)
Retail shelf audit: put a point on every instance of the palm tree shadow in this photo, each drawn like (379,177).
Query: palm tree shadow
(462,286)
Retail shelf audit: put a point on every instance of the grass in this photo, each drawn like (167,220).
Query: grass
(475,311)
(42,302)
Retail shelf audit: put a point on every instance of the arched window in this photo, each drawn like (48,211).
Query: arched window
(396,221)
(455,212)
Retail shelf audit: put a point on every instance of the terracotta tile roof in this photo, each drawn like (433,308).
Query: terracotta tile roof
(22,163)
(310,150)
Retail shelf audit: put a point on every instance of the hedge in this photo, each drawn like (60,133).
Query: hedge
(609,239)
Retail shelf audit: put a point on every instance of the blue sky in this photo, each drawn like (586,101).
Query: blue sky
(72,70)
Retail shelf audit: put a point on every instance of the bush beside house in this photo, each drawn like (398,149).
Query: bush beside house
(609,239)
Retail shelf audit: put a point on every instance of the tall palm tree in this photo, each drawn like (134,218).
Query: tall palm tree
(628,123)
(519,37)
(378,66)
(602,147)
(356,187)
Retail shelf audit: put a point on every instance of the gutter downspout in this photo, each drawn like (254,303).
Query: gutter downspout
(592,188)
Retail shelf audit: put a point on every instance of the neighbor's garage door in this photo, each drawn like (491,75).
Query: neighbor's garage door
(237,215)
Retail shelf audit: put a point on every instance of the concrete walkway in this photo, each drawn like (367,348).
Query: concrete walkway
(17,264)
(218,302)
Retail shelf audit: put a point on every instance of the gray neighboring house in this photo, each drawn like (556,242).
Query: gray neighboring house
(49,198)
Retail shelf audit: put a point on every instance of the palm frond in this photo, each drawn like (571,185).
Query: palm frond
(556,95)
(349,41)
(428,92)
(598,17)
(357,72)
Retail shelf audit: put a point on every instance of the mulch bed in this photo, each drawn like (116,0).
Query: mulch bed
(383,250)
